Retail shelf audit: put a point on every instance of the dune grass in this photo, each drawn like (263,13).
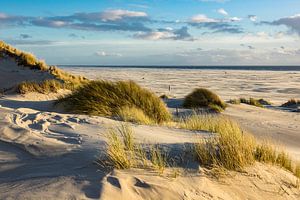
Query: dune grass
(23,58)
(44,87)
(204,98)
(124,153)
(291,103)
(230,148)
(233,149)
(120,147)
(28,60)
(251,101)
(105,98)
(234,101)
(134,115)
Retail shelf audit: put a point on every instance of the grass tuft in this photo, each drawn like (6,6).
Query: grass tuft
(204,98)
(117,152)
(158,159)
(124,153)
(251,101)
(44,87)
(291,103)
(106,98)
(231,148)
(134,115)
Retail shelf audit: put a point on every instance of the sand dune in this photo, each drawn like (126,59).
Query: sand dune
(15,74)
(54,158)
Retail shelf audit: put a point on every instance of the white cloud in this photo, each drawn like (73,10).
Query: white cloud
(235,19)
(155,35)
(252,18)
(222,12)
(202,19)
(113,15)
(105,54)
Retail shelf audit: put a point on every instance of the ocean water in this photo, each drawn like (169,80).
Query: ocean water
(252,68)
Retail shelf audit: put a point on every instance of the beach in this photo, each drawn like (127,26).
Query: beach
(282,127)
(47,152)
(275,86)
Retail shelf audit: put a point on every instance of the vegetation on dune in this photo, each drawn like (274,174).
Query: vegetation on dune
(44,87)
(124,153)
(135,115)
(105,98)
(291,103)
(23,58)
(204,98)
(61,79)
(231,148)
(250,101)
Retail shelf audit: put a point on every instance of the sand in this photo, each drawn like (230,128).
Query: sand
(275,86)
(48,154)
(275,124)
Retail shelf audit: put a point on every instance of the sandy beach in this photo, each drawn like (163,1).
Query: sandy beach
(49,153)
(282,127)
(150,100)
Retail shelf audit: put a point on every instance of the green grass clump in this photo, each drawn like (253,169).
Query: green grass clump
(251,101)
(204,98)
(291,103)
(135,115)
(234,101)
(106,98)
(44,87)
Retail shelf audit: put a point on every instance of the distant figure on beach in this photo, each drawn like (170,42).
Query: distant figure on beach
(169,88)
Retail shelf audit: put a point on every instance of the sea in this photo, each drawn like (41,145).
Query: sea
(252,68)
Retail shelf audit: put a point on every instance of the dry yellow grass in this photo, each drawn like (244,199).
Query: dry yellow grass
(124,153)
(44,87)
(230,148)
(30,61)
(233,149)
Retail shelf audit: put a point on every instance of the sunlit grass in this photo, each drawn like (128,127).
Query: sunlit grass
(106,98)
(204,98)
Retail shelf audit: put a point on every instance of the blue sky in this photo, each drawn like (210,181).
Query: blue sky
(155,32)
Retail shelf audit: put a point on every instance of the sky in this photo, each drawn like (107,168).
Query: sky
(155,32)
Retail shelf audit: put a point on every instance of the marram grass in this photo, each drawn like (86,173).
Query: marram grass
(105,98)
(204,98)
(28,60)
(134,115)
(124,153)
